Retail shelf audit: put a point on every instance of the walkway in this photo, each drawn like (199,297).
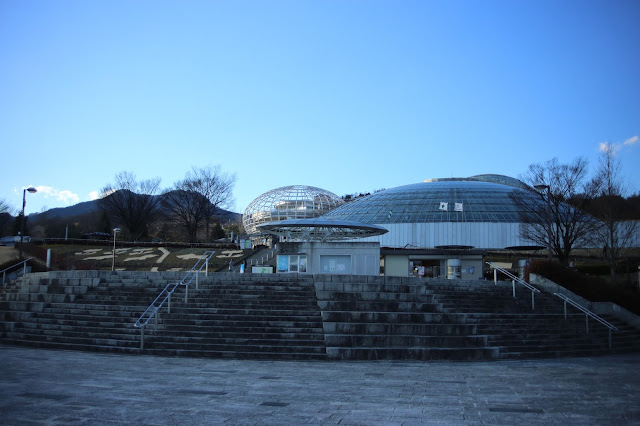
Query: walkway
(40,386)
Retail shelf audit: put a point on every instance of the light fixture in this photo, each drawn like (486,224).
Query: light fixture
(113,262)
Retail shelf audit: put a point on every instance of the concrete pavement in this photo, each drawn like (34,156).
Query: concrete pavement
(40,386)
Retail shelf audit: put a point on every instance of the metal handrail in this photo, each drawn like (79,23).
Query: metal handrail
(24,270)
(165,294)
(514,279)
(588,314)
(271,253)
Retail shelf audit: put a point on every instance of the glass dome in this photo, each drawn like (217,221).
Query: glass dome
(288,202)
(450,200)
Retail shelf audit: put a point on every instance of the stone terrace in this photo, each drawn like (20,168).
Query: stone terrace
(304,317)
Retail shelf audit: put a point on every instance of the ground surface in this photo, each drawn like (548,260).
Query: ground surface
(63,387)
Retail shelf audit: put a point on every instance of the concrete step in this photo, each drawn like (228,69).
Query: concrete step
(409,340)
(376,306)
(411,353)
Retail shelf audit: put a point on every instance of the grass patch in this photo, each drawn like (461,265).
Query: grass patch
(96,257)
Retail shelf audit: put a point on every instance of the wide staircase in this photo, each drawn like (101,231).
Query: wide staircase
(238,316)
(394,318)
(289,316)
(522,328)
(89,311)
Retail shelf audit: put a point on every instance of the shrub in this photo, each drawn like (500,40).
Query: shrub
(590,287)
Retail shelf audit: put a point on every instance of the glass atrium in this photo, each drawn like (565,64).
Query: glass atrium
(445,200)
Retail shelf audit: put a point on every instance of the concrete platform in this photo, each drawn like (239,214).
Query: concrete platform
(64,387)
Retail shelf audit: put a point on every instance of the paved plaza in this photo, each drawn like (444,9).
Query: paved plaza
(40,386)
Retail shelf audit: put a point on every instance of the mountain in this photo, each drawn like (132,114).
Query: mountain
(87,207)
(79,209)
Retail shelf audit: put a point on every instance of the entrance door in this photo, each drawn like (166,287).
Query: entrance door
(427,268)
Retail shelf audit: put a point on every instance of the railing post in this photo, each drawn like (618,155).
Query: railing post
(513,283)
(197,275)
(169,304)
(495,276)
(586,317)
(186,293)
(206,268)
(156,319)
(565,309)
(141,338)
(533,303)
(3,276)
(24,268)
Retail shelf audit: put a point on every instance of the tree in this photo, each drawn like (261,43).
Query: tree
(197,198)
(217,232)
(215,186)
(186,207)
(131,203)
(17,225)
(613,232)
(5,217)
(560,208)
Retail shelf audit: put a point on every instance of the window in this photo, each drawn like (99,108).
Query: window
(292,263)
(340,264)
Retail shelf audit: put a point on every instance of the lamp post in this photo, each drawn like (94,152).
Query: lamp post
(32,190)
(113,262)
(541,187)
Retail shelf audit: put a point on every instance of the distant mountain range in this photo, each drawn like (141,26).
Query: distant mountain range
(88,207)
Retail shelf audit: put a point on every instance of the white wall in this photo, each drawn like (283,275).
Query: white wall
(428,235)
(364,256)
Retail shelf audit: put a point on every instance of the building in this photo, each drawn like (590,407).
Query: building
(442,227)
(436,228)
(287,202)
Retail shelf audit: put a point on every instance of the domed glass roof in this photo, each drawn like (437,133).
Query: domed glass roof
(288,202)
(451,200)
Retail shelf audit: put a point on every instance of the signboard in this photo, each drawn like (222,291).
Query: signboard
(262,269)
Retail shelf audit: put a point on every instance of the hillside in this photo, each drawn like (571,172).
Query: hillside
(87,207)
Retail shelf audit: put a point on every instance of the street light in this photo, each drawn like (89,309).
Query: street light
(32,190)
(541,187)
(113,263)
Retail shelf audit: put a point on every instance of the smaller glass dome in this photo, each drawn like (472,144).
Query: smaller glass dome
(288,202)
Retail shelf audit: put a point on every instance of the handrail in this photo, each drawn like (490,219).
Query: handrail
(165,294)
(24,270)
(514,279)
(586,311)
(588,314)
(271,253)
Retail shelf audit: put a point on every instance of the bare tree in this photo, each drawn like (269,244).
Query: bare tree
(216,186)
(557,212)
(186,207)
(613,232)
(132,203)
(198,197)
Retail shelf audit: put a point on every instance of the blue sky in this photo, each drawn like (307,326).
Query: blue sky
(350,96)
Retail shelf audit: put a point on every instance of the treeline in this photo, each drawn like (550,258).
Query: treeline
(192,209)
(571,207)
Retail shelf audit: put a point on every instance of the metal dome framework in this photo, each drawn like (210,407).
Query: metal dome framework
(321,229)
(288,202)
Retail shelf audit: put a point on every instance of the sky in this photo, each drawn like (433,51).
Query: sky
(347,95)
